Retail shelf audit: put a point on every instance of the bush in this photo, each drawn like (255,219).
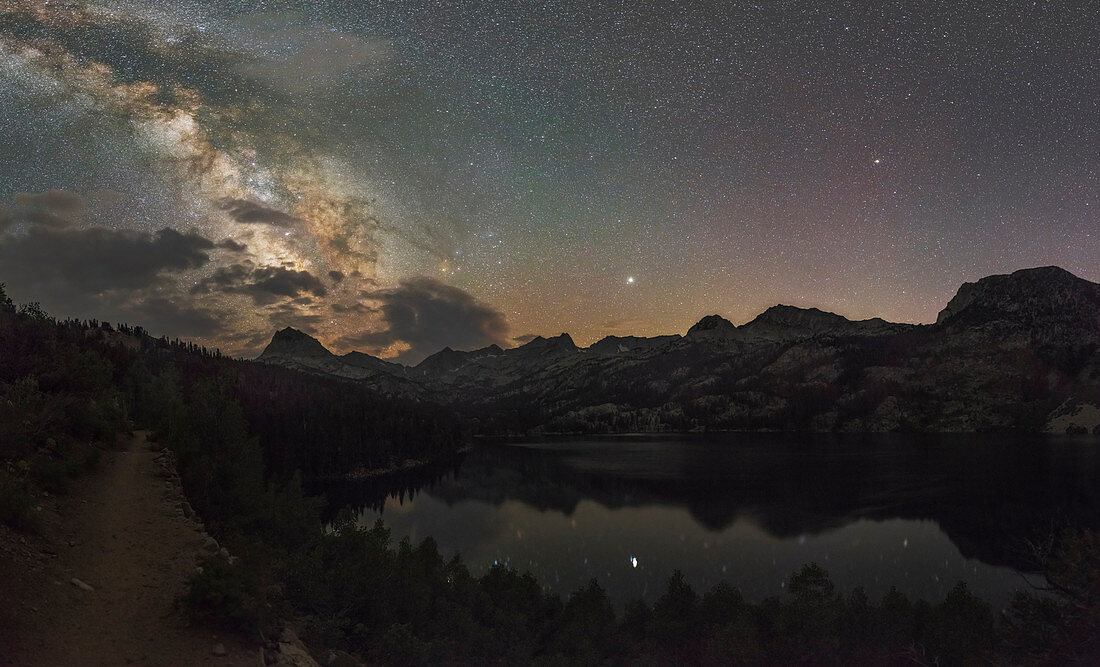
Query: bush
(229,596)
(1062,624)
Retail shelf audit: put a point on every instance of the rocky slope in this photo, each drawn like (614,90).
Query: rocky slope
(291,348)
(1009,352)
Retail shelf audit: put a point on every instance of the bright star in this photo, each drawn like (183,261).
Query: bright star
(630,280)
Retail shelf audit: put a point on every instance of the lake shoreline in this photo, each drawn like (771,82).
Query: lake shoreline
(408,465)
(748,507)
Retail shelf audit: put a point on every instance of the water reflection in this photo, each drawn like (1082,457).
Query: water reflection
(920,513)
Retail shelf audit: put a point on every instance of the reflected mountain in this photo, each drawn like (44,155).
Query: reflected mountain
(989,494)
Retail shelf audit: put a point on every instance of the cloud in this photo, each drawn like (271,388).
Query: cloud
(50,254)
(524,339)
(302,59)
(231,245)
(336,276)
(286,282)
(357,308)
(250,212)
(58,201)
(247,344)
(52,208)
(224,278)
(287,315)
(422,315)
(169,317)
(89,261)
(264,284)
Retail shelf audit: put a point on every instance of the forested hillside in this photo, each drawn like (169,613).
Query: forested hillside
(74,379)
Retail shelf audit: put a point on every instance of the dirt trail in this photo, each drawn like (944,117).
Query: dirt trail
(119,532)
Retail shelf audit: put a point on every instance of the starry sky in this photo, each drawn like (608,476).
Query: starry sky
(398,176)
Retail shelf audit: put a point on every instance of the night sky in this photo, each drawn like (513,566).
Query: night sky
(398,176)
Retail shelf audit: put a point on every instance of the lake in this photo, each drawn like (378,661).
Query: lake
(916,512)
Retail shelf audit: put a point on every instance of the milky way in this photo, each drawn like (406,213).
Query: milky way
(398,176)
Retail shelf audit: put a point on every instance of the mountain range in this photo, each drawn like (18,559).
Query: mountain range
(1015,352)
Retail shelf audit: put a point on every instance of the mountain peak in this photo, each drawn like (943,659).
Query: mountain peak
(291,342)
(621,344)
(560,343)
(449,359)
(793,316)
(290,333)
(1041,295)
(711,323)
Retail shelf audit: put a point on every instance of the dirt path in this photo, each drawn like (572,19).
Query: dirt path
(119,532)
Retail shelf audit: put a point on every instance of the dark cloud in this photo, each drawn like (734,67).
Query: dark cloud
(358,308)
(264,284)
(247,344)
(69,260)
(52,208)
(250,212)
(427,315)
(231,245)
(50,254)
(57,246)
(170,317)
(336,276)
(225,279)
(287,282)
(287,315)
(59,201)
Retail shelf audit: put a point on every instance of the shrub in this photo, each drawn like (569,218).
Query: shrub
(228,595)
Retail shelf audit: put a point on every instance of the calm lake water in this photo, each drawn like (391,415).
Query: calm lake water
(920,513)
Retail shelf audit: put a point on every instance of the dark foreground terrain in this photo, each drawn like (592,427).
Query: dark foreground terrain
(242,434)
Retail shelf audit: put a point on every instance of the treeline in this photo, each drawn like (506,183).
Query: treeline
(59,405)
(69,387)
(411,606)
(408,605)
(316,426)
(327,428)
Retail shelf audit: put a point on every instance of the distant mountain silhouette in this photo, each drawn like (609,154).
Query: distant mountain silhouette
(1009,352)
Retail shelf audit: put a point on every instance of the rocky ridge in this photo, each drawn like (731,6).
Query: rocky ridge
(1009,352)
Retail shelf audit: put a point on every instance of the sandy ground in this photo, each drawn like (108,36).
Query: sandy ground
(117,530)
